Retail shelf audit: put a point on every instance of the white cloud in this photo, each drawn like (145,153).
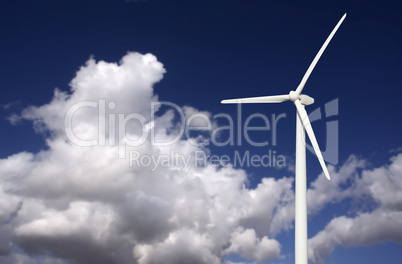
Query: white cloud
(245,243)
(382,187)
(87,205)
(180,246)
(70,222)
(322,191)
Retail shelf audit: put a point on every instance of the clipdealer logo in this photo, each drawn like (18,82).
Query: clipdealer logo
(128,132)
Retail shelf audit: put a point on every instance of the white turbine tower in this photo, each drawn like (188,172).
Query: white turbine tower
(302,125)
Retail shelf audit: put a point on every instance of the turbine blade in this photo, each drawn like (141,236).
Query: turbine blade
(307,126)
(260,99)
(317,57)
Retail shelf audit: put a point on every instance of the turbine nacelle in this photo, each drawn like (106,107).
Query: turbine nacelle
(306,100)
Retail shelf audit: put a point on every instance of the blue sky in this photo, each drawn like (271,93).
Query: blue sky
(210,50)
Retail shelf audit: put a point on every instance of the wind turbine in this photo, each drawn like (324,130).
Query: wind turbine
(302,125)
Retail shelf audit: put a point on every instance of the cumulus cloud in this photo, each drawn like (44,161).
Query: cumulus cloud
(377,222)
(94,196)
(245,242)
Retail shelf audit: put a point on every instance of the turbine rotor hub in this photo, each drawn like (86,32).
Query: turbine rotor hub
(304,99)
(293,96)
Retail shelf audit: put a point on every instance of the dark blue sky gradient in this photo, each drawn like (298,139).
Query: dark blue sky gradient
(214,50)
